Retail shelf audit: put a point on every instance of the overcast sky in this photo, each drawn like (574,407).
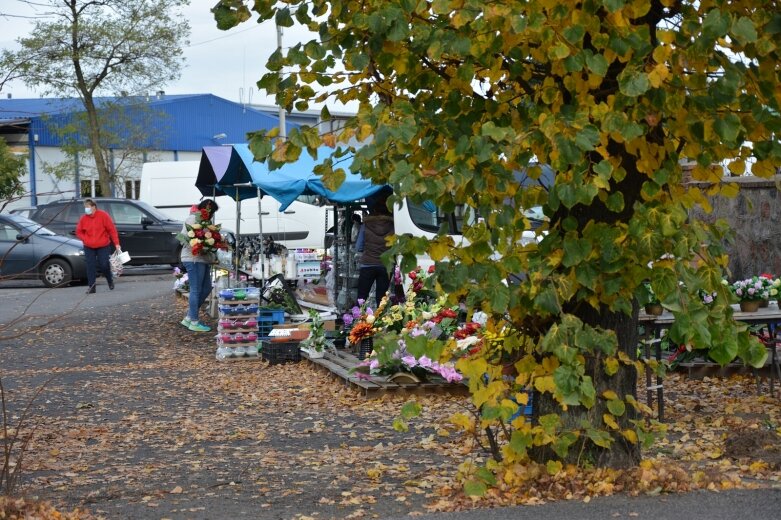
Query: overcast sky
(217,62)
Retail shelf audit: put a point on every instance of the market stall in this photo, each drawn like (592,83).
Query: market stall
(232,171)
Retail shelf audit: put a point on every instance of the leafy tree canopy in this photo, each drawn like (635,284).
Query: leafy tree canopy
(456,97)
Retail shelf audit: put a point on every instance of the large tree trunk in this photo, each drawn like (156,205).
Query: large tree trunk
(622,453)
(93,126)
(86,88)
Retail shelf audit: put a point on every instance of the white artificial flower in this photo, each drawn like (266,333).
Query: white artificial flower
(463,344)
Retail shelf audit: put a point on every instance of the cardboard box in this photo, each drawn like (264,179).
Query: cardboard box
(292,326)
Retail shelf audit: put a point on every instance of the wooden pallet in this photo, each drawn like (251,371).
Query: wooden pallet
(340,363)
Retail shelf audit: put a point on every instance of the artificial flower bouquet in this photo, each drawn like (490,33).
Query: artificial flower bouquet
(203,236)
(418,355)
(751,289)
(771,283)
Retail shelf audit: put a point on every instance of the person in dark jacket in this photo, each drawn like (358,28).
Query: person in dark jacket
(371,243)
(97,232)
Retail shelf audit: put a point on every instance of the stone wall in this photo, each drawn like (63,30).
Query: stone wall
(755,216)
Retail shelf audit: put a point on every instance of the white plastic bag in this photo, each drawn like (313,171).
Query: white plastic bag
(116,265)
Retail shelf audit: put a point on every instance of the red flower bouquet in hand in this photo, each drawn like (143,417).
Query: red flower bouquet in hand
(203,236)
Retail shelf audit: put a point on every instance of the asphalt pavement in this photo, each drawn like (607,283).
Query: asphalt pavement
(758,504)
(31,301)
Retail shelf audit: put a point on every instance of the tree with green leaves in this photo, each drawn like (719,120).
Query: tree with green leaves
(12,169)
(458,97)
(87,48)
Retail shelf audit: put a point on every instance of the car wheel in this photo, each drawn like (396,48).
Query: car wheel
(56,273)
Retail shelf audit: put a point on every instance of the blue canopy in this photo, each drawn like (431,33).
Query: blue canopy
(286,183)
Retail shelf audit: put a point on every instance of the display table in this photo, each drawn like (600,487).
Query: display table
(769,317)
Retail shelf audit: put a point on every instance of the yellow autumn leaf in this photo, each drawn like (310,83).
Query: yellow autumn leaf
(549,364)
(630,435)
(462,420)
(657,76)
(440,248)
(738,166)
(611,366)
(280,152)
(554,257)
(609,395)
(545,384)
(364,132)
(729,189)
(553,467)
(610,421)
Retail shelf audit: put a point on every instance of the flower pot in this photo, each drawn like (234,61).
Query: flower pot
(404,377)
(654,309)
(365,348)
(763,304)
(749,306)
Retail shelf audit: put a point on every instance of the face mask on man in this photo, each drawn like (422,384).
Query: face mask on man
(88,210)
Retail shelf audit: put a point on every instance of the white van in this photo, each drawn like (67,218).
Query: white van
(170,187)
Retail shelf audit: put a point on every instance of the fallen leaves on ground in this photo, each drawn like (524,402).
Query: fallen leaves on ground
(141,417)
(23,509)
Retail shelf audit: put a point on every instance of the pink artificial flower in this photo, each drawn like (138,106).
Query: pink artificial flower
(410,361)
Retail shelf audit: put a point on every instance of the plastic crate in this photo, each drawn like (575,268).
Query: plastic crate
(275,315)
(281,352)
(267,318)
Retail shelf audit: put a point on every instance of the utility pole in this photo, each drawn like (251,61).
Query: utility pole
(282,131)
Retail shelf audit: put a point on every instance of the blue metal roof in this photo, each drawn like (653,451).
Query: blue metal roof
(180,122)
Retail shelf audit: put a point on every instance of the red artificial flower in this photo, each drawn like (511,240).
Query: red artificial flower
(448,313)
(412,275)
(205,214)
(431,269)
(197,249)
(767,275)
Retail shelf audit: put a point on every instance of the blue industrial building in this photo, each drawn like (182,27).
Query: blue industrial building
(179,126)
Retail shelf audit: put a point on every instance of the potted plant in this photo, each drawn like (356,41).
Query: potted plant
(647,298)
(315,344)
(750,293)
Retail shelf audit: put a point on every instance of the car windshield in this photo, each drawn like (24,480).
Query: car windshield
(31,226)
(159,215)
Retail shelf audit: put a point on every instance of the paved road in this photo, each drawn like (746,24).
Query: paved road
(764,504)
(31,300)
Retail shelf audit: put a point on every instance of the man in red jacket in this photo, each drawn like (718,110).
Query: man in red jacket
(97,231)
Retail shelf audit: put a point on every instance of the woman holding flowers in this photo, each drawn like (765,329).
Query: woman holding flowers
(200,239)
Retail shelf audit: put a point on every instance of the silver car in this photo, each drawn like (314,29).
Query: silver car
(29,250)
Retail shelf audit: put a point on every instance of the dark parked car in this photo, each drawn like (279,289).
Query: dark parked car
(24,212)
(144,231)
(29,250)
